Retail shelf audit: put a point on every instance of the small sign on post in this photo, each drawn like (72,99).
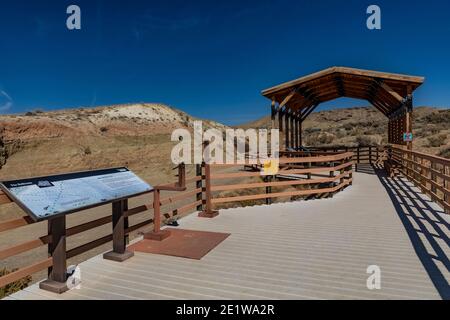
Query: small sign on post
(407,137)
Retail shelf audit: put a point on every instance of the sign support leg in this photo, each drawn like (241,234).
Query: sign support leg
(57,278)
(119,252)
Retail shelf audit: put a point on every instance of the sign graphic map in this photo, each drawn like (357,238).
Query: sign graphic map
(45,197)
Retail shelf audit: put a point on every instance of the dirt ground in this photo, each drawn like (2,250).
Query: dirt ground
(44,143)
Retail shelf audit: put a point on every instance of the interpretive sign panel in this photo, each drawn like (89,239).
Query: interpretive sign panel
(46,197)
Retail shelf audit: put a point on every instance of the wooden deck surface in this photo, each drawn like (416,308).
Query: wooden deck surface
(318,249)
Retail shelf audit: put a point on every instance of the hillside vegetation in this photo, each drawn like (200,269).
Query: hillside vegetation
(368,126)
(133,135)
(41,143)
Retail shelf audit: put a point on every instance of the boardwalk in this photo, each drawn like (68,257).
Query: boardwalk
(317,249)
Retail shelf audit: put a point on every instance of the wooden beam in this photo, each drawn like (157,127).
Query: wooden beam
(392,92)
(308,94)
(377,106)
(340,86)
(298,106)
(372,96)
(286,99)
(350,73)
(308,112)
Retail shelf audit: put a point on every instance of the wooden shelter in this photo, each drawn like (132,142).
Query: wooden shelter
(390,93)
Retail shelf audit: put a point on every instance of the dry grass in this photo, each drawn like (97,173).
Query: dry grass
(71,140)
(368,126)
(136,136)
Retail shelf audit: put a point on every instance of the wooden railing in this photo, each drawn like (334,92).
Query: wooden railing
(173,204)
(361,154)
(314,175)
(429,173)
(305,175)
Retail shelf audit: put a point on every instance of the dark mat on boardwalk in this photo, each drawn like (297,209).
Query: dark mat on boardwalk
(190,244)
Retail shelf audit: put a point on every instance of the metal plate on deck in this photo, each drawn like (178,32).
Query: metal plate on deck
(190,244)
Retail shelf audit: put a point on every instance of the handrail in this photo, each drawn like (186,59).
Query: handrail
(429,173)
(313,167)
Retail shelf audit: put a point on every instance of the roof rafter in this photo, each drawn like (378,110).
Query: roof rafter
(386,91)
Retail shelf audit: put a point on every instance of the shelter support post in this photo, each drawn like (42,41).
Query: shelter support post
(273,113)
(292,127)
(409,111)
(280,115)
(280,119)
(389,131)
(286,128)
(300,142)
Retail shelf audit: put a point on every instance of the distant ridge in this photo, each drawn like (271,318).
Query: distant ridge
(121,119)
(366,125)
(136,135)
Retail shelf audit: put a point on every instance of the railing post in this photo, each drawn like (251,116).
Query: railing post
(414,167)
(350,170)
(157,234)
(370,154)
(357,158)
(446,185)
(199,184)
(208,211)
(331,184)
(119,252)
(57,277)
(388,163)
(268,189)
(433,176)
(422,170)
(342,171)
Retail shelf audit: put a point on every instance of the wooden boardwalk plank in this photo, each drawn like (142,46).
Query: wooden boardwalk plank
(317,249)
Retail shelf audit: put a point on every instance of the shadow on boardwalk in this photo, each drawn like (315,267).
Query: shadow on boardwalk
(426,226)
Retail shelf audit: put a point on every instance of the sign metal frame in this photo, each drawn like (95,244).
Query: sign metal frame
(36,218)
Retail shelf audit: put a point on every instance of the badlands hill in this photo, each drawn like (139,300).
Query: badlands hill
(367,126)
(138,136)
(134,135)
(40,143)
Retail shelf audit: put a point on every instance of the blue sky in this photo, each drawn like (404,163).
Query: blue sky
(210,58)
